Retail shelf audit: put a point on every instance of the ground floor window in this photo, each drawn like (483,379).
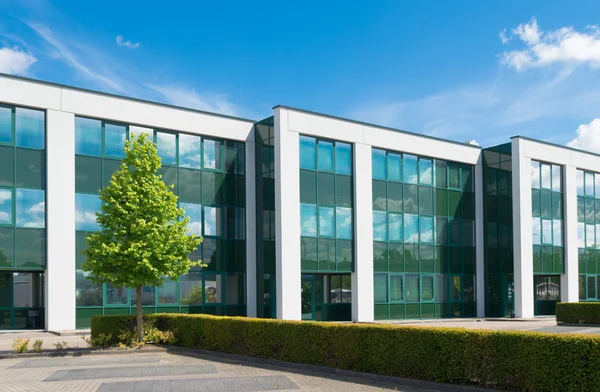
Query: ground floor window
(326,297)
(589,288)
(547,294)
(21,300)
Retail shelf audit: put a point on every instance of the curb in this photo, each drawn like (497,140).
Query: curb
(78,352)
(582,325)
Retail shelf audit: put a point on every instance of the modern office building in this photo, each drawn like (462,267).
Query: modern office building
(304,215)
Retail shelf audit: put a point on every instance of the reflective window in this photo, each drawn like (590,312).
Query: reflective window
(308,187)
(412,288)
(167,293)
(535,175)
(395,227)
(440,174)
(380,286)
(343,223)
(7,166)
(88,136)
(116,295)
(147,296)
(379,164)
(325,151)
(426,229)
(379,226)
(30,246)
(427,287)
(580,234)
(343,158)
(30,128)
(557,232)
(394,167)
(213,288)
(191,291)
(308,220)
(189,151)
(212,221)
(190,186)
(590,241)
(234,157)
(31,168)
(114,140)
(556,182)
(212,154)
(6,207)
(136,131)
(86,292)
(589,184)
(6,132)
(326,221)
(536,231)
(396,288)
(167,147)
(546,176)
(546,231)
(7,247)
(194,212)
(580,188)
(86,207)
(411,228)
(453,176)
(31,207)
(88,174)
(308,153)
(410,169)
(425,172)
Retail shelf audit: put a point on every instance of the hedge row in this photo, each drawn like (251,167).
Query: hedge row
(518,361)
(578,312)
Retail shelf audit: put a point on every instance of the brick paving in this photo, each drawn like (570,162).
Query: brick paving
(163,372)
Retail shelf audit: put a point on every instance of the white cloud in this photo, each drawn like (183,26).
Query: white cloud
(5,195)
(588,136)
(544,48)
(128,44)
(186,97)
(16,61)
(503,37)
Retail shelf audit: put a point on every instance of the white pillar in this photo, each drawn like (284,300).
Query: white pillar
(522,232)
(479,239)
(363,307)
(60,226)
(287,219)
(569,281)
(250,227)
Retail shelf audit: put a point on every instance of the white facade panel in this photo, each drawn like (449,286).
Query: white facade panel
(39,95)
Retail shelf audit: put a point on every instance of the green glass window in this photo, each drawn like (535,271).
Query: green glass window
(211,188)
(535,175)
(234,157)
(116,295)
(190,186)
(343,191)
(344,255)
(189,151)
(546,176)
(426,200)
(30,246)
(86,207)
(86,292)
(395,227)
(6,206)
(308,254)
(109,166)
(379,195)
(412,288)
(379,164)
(425,172)
(148,296)
(441,202)
(326,254)
(191,292)
(7,166)
(31,209)
(394,197)
(410,199)
(441,180)
(394,167)
(88,174)
(326,221)
(308,220)
(308,187)
(396,288)
(114,140)
(453,176)
(325,155)
(170,177)
(7,247)
(426,229)
(326,188)
(212,154)
(31,168)
(381,288)
(166,144)
(213,225)
(343,223)
(411,228)
(556,178)
(427,288)
(410,171)
(88,136)
(167,293)
(343,158)
(6,128)
(379,226)
(308,153)
(30,128)
(194,212)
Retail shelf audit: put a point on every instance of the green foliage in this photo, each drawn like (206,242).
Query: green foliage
(20,345)
(518,361)
(143,237)
(578,312)
(37,345)
(61,345)
(195,294)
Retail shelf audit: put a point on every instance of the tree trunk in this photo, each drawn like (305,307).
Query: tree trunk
(140,320)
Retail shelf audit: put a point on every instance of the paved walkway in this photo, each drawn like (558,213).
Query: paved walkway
(138,371)
(50,339)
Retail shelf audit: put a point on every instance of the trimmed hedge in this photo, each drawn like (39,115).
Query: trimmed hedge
(578,312)
(519,361)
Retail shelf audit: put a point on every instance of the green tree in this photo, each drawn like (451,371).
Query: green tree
(143,237)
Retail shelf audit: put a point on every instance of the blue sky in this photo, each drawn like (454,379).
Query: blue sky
(459,70)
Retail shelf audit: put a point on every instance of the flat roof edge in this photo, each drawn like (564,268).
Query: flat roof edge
(555,145)
(376,126)
(111,95)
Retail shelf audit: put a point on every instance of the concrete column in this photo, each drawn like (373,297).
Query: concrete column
(522,232)
(362,277)
(479,239)
(287,219)
(251,227)
(60,226)
(569,281)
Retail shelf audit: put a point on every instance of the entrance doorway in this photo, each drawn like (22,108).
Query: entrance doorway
(21,300)
(326,297)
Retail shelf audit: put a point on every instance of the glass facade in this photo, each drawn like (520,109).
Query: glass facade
(498,240)
(423,237)
(22,217)
(264,133)
(547,235)
(588,234)
(208,176)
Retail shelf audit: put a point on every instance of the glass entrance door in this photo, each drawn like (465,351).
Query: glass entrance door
(21,300)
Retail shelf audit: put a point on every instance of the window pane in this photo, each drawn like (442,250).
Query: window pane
(194,212)
(379,195)
(410,169)
(6,207)
(167,293)
(580,188)
(88,174)
(412,288)
(455,289)
(189,151)
(212,154)
(426,229)
(308,220)
(7,247)
(395,288)
(557,232)
(556,182)
(394,197)
(235,222)
(86,292)
(147,296)
(557,205)
(136,131)
(88,136)
(30,208)
(546,231)
(29,128)
(426,200)
(326,253)
(190,186)
(440,174)
(455,232)
(441,231)
(325,155)
(411,228)
(167,147)
(344,259)
(343,158)
(326,188)
(86,207)
(597,183)
(7,166)
(425,172)
(5,125)
(191,289)
(381,289)
(109,166)
(395,227)
(235,158)
(589,184)
(326,221)
(169,177)
(394,167)
(31,168)
(30,248)
(590,241)
(453,176)
(213,288)
(343,191)
(308,187)
(468,233)
(309,256)
(546,176)
(535,174)
(114,140)
(536,231)
(379,165)
(580,234)
(379,226)
(213,225)
(410,197)
(212,184)
(116,295)
(343,223)
(427,294)
(308,153)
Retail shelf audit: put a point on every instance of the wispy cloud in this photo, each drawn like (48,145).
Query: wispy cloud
(127,44)
(544,48)
(15,61)
(187,97)
(587,136)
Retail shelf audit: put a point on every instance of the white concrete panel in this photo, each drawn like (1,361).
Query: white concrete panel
(569,290)
(562,156)
(60,226)
(153,115)
(323,126)
(26,93)
(522,231)
(419,145)
(250,230)
(287,219)
(479,241)
(362,278)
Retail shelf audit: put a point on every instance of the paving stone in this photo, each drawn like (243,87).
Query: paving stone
(130,372)
(84,361)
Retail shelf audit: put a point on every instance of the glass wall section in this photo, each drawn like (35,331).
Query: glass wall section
(265,218)
(208,176)
(22,217)
(547,235)
(588,234)
(423,237)
(498,240)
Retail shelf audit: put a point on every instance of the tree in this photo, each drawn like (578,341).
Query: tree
(143,237)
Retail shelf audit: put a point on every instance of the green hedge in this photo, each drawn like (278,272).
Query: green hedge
(520,361)
(578,312)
